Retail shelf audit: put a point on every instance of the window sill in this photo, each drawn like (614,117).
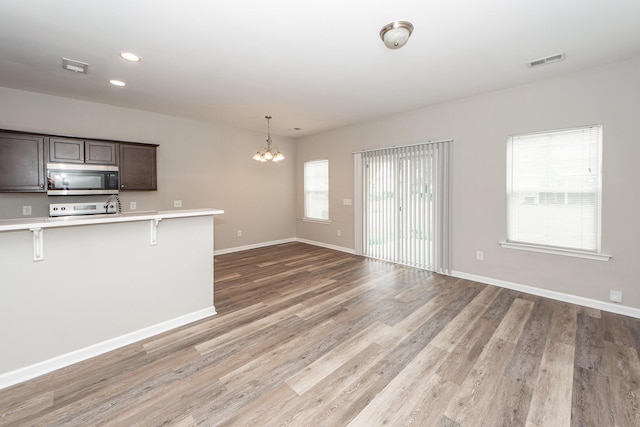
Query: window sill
(556,251)
(320,221)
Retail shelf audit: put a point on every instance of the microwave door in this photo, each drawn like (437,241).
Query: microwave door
(77,182)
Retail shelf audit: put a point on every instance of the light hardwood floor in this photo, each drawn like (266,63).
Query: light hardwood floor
(307,336)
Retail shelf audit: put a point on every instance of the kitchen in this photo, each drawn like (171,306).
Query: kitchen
(193,164)
(88,277)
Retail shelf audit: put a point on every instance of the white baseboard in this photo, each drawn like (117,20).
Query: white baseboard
(253,246)
(326,245)
(280,242)
(28,372)
(586,302)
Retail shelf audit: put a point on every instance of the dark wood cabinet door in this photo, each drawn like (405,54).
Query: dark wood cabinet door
(22,163)
(137,167)
(66,150)
(102,153)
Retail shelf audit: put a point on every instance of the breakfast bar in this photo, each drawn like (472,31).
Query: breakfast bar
(75,287)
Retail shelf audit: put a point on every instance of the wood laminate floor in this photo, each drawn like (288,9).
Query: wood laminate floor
(307,336)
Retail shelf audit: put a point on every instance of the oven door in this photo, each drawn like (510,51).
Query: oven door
(66,179)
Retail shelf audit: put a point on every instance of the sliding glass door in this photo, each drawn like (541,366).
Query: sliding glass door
(403,205)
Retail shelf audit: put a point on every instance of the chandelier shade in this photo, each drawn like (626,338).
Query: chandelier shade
(270,153)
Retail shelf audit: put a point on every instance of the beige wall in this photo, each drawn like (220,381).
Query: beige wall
(205,165)
(479,127)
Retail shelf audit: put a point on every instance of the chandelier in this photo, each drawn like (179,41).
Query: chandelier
(269,153)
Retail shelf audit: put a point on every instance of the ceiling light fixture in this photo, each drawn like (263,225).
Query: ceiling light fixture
(269,153)
(396,34)
(132,57)
(75,66)
(119,83)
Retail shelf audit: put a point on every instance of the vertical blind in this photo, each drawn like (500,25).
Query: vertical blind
(554,188)
(402,196)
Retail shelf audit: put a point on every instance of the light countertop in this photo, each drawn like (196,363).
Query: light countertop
(70,221)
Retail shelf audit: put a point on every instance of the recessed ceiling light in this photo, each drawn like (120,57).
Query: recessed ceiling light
(130,56)
(75,66)
(117,82)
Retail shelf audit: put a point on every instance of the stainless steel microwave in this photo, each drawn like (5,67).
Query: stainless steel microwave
(80,179)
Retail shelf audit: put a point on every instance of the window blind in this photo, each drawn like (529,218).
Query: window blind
(404,205)
(316,190)
(554,188)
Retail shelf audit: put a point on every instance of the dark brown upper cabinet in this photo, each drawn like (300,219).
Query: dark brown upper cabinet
(22,162)
(70,150)
(138,167)
(23,159)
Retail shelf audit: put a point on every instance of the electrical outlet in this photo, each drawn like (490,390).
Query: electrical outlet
(339,233)
(26,210)
(133,206)
(239,233)
(480,255)
(177,203)
(615,296)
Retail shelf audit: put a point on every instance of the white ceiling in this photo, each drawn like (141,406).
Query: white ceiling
(313,65)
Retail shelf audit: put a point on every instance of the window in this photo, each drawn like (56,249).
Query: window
(554,189)
(316,190)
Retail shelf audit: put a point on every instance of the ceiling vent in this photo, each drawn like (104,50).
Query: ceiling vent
(75,66)
(546,60)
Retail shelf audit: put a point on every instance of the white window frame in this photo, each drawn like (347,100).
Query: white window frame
(514,190)
(317,211)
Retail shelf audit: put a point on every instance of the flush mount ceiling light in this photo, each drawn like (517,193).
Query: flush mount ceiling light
(269,153)
(75,66)
(396,34)
(119,83)
(132,57)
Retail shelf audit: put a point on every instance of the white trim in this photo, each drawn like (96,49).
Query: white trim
(253,246)
(28,372)
(327,245)
(280,242)
(559,296)
(357,208)
(436,141)
(316,220)
(556,251)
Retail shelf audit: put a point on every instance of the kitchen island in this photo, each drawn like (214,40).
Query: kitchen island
(72,288)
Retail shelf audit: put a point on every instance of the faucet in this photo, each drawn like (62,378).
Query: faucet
(106,204)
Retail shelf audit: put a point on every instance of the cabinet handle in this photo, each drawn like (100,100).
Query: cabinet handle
(122,186)
(41,185)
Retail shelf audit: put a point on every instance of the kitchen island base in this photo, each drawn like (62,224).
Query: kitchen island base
(98,287)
